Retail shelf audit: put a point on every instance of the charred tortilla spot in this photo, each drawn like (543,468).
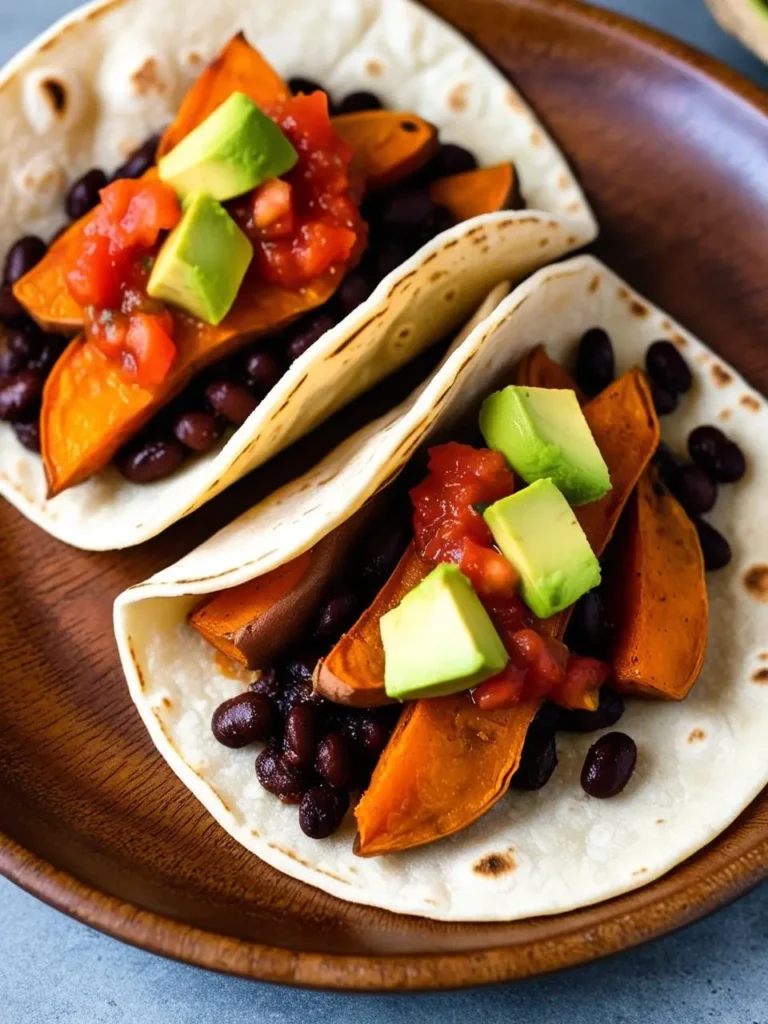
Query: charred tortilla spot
(756,582)
(623,292)
(638,308)
(146,79)
(56,93)
(571,239)
(679,340)
(750,402)
(763,656)
(513,101)
(135,660)
(760,676)
(536,138)
(167,703)
(437,275)
(724,414)
(659,821)
(720,376)
(562,181)
(374,68)
(450,295)
(458,97)
(695,735)
(574,206)
(594,284)
(543,242)
(495,864)
(639,871)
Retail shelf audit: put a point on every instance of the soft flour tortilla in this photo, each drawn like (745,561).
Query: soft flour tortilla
(699,762)
(109,75)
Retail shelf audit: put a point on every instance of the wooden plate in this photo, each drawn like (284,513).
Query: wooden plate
(673,150)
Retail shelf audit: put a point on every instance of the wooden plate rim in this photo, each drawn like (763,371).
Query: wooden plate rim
(732,864)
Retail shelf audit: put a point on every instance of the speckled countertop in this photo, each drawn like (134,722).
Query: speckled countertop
(56,971)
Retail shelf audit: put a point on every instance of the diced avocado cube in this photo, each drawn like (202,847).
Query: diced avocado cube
(542,433)
(202,263)
(235,149)
(439,640)
(537,531)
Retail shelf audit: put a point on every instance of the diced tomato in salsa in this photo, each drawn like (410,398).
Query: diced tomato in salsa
(110,275)
(449,527)
(314,224)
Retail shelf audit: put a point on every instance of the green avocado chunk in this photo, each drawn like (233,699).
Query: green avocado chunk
(536,530)
(440,639)
(235,149)
(202,262)
(542,433)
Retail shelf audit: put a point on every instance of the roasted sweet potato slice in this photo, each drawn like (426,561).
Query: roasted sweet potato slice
(659,597)
(427,786)
(255,622)
(238,68)
(485,190)
(537,370)
(388,146)
(353,673)
(90,410)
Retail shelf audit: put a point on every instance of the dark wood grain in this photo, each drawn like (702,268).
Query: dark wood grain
(673,150)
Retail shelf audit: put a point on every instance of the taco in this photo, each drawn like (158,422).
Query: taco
(257,263)
(442,657)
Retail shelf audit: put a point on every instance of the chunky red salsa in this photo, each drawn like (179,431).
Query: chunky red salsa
(308,221)
(449,527)
(109,277)
(301,226)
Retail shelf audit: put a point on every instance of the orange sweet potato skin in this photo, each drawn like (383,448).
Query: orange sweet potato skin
(414,798)
(659,598)
(388,146)
(485,190)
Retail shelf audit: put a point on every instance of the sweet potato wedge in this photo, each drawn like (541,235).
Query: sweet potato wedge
(388,146)
(238,68)
(90,410)
(424,786)
(255,622)
(485,190)
(537,370)
(353,673)
(659,597)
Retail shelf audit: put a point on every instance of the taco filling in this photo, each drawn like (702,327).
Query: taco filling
(215,257)
(544,567)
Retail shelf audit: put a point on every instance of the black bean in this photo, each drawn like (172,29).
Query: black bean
(26,342)
(20,395)
(28,434)
(11,310)
(301,668)
(716,454)
(333,760)
(10,362)
(667,367)
(369,731)
(84,193)
(451,159)
(306,333)
(337,613)
(353,291)
(197,430)
(589,631)
(407,209)
(322,811)
(153,460)
(267,683)
(279,776)
(538,760)
(381,551)
(664,402)
(609,711)
(247,718)
(595,361)
(52,347)
(392,254)
(299,84)
(301,735)
(22,257)
(693,488)
(232,401)
(355,102)
(714,546)
(666,461)
(139,161)
(263,369)
(608,765)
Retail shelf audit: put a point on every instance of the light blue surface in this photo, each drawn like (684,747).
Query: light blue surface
(56,971)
